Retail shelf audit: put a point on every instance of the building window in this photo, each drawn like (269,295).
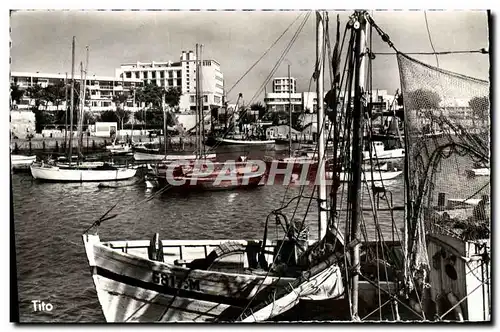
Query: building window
(145,74)
(205,99)
(153,75)
(217,99)
(170,82)
(179,82)
(162,74)
(137,74)
(192,99)
(179,74)
(128,75)
(170,74)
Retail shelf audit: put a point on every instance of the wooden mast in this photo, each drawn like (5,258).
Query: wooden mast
(66,114)
(80,111)
(84,90)
(164,124)
(357,143)
(72,99)
(202,117)
(290,113)
(322,194)
(197,101)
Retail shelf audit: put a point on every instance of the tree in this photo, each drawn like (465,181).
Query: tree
(108,116)
(173,97)
(139,116)
(422,99)
(480,106)
(120,99)
(258,106)
(55,93)
(16,94)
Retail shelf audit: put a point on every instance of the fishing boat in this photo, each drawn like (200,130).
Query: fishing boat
(380,153)
(119,148)
(21,162)
(219,176)
(200,173)
(79,171)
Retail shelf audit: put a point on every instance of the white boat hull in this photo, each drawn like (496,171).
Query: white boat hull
(367,176)
(478,172)
(54,173)
(133,288)
(119,149)
(142,156)
(21,162)
(385,154)
(243,142)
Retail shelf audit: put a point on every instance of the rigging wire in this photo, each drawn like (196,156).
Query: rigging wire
(481,51)
(264,54)
(276,66)
(430,39)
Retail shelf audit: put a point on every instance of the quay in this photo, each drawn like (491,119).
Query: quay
(89,143)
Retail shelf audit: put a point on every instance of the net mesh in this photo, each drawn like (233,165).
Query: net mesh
(448,145)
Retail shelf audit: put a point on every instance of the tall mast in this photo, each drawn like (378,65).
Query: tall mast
(357,143)
(202,136)
(197,102)
(164,123)
(322,207)
(290,111)
(66,113)
(85,86)
(80,113)
(72,99)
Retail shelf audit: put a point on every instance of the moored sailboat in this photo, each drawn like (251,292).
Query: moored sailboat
(78,171)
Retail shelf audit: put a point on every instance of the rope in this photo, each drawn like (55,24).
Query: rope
(430,39)
(481,51)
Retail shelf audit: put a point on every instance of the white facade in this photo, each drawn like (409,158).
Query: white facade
(284,85)
(101,90)
(308,101)
(282,101)
(181,74)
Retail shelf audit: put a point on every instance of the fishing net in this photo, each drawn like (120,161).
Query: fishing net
(447,126)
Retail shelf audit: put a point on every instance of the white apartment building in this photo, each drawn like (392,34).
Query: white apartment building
(308,101)
(181,74)
(276,102)
(101,90)
(284,85)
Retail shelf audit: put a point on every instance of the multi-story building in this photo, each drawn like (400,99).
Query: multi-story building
(308,101)
(181,74)
(101,90)
(276,102)
(284,85)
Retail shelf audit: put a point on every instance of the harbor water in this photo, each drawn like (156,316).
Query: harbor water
(49,219)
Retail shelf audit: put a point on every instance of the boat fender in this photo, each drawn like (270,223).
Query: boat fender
(155,250)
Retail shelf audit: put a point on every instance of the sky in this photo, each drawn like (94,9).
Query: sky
(41,41)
